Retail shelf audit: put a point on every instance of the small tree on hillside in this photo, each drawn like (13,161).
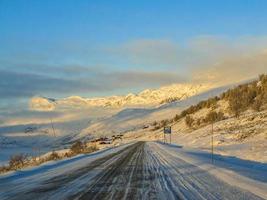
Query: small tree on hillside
(235,105)
(189,121)
(214,116)
(164,122)
(257,104)
(176,118)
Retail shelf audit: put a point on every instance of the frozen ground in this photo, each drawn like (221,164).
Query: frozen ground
(143,170)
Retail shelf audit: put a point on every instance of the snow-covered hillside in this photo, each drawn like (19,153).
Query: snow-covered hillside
(77,120)
(133,119)
(244,137)
(74,118)
(148,97)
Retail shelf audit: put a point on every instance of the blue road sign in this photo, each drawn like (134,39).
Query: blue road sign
(167,130)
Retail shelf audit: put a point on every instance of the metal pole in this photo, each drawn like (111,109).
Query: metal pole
(53,127)
(212,149)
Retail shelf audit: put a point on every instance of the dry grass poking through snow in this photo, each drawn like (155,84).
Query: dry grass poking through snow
(20,161)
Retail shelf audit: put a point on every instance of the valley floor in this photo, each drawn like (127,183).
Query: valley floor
(141,170)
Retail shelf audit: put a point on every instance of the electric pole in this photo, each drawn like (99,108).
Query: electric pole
(54,133)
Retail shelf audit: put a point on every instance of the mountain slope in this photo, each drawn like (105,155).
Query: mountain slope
(131,119)
(73,119)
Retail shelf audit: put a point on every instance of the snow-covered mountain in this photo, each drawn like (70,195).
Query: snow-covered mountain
(148,97)
(132,119)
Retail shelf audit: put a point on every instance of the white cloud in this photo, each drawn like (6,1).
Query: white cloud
(148,63)
(215,59)
(233,69)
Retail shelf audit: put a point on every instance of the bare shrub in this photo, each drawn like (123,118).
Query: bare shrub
(4,169)
(198,122)
(257,105)
(189,121)
(91,149)
(154,123)
(157,127)
(176,118)
(17,161)
(53,156)
(68,154)
(164,122)
(78,147)
(235,103)
(214,116)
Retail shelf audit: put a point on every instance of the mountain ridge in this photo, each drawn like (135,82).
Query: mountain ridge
(151,97)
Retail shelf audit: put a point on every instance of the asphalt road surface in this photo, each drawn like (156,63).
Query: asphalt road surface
(138,171)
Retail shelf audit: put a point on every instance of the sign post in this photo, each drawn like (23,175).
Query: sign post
(167,130)
(212,145)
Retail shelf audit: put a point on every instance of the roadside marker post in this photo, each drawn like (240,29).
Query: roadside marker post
(212,147)
(213,120)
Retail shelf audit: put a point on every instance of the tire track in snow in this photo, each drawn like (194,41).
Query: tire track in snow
(148,172)
(64,185)
(116,182)
(193,182)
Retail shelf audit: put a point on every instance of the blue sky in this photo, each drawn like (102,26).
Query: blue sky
(96,48)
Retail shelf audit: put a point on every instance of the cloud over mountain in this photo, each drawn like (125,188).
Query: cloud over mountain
(136,65)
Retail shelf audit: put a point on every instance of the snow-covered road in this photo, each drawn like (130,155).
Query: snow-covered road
(143,170)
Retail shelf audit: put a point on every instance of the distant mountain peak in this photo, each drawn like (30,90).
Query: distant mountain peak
(148,97)
(42,104)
